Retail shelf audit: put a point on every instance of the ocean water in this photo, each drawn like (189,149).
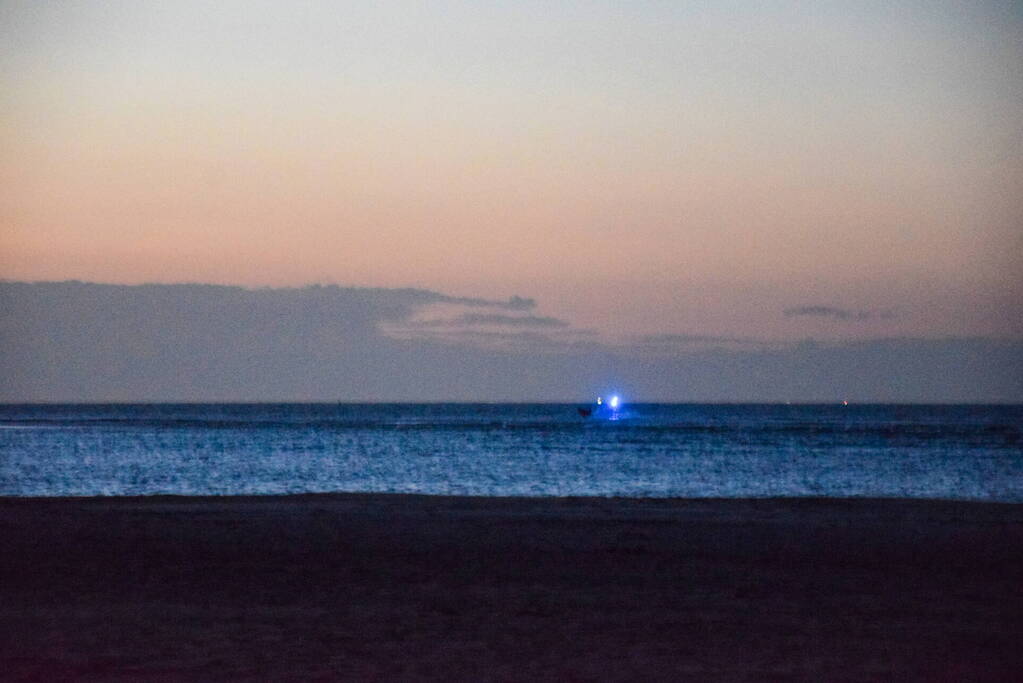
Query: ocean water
(951,452)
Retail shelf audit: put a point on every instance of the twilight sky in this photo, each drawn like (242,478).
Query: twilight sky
(774,171)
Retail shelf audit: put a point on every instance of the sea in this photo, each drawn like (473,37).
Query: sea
(965,452)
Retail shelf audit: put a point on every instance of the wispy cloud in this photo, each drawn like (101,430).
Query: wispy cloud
(494,319)
(835,313)
(687,339)
(500,338)
(515,303)
(422,297)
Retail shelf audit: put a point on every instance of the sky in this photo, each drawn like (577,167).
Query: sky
(773,172)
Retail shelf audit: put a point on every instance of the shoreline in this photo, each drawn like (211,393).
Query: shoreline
(380,496)
(401,494)
(422,587)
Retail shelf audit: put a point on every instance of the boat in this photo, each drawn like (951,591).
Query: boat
(602,410)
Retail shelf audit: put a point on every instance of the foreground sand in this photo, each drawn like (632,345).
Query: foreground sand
(407,587)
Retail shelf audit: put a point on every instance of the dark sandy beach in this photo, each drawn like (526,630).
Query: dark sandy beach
(377,587)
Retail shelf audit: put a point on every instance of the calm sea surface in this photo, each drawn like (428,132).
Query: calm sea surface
(964,452)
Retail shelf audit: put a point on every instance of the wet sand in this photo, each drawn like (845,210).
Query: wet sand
(378,587)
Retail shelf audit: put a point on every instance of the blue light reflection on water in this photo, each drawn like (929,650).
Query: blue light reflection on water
(967,452)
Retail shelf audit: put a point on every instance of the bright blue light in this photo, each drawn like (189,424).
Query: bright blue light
(614,402)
